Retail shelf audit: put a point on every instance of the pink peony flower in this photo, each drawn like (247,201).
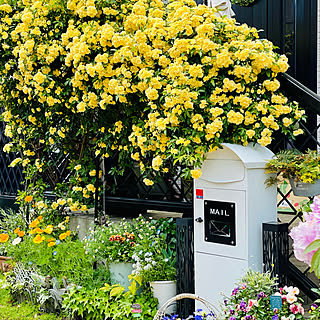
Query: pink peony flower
(306,232)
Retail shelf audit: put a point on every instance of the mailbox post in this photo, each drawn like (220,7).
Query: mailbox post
(230,204)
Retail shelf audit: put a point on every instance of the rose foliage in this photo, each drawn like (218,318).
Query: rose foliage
(158,84)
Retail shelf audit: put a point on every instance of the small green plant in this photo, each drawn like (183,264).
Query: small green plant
(9,310)
(292,164)
(314,311)
(108,302)
(257,282)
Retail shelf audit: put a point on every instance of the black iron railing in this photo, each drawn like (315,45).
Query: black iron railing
(298,273)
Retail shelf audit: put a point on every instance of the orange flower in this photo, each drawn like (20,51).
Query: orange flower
(21,233)
(34,223)
(62,236)
(51,240)
(40,218)
(28,198)
(4,237)
(48,229)
(38,230)
(51,244)
(68,233)
(38,239)
(33,231)
(17,230)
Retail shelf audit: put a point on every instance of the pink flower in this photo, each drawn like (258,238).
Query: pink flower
(306,232)
(251,303)
(300,309)
(294,309)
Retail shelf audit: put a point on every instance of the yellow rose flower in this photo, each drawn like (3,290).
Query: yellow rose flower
(196,173)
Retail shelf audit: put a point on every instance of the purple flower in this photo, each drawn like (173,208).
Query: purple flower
(232,318)
(235,291)
(261,295)
(248,317)
(232,312)
(275,317)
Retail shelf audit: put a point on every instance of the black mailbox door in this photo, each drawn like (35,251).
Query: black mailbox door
(220,222)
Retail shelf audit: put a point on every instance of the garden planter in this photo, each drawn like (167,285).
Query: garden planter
(5,264)
(305,189)
(163,291)
(119,272)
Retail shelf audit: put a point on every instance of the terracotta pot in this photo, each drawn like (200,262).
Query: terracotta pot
(5,264)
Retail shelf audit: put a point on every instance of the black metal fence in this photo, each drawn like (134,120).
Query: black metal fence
(185,264)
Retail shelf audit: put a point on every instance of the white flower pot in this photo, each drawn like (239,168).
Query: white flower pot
(163,291)
(119,272)
(305,189)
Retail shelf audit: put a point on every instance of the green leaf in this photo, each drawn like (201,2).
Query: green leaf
(116,291)
(314,245)
(315,263)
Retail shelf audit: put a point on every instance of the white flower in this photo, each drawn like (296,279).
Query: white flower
(16,241)
(291,298)
(295,291)
(147,267)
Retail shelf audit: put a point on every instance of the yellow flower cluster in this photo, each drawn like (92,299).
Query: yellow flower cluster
(154,82)
(48,233)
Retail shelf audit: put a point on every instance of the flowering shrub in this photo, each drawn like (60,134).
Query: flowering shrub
(246,303)
(306,237)
(117,241)
(50,249)
(156,83)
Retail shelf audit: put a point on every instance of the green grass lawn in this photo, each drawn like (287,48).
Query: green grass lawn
(23,311)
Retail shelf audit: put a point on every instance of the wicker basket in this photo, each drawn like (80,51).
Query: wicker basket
(162,311)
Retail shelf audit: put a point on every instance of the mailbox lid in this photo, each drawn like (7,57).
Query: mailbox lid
(223,171)
(252,156)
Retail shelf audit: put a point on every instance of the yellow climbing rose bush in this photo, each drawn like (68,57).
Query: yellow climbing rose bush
(155,84)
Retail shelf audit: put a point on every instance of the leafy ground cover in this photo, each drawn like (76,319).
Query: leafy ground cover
(13,311)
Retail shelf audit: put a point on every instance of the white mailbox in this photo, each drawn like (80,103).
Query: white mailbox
(230,204)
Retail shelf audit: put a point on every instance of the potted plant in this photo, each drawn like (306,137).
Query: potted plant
(155,263)
(302,170)
(256,297)
(114,243)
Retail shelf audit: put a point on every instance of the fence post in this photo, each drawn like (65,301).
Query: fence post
(185,264)
(276,250)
